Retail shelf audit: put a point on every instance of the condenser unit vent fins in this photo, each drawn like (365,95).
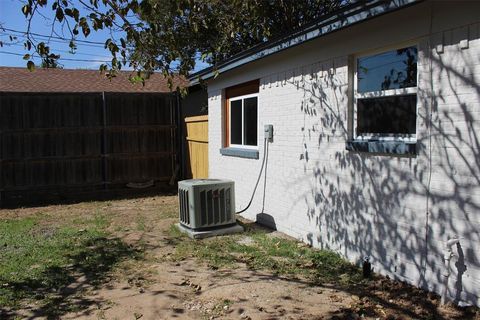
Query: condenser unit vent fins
(206,203)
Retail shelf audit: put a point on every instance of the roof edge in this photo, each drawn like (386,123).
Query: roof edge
(340,19)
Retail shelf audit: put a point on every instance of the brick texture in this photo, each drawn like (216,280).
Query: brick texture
(399,211)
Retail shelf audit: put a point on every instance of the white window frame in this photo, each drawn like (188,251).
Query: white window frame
(382,93)
(242,98)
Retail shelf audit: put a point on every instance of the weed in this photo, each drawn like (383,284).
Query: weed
(39,261)
(262,251)
(175,233)
(99,220)
(169,211)
(141,223)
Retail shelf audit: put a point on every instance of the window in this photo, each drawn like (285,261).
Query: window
(243,121)
(385,95)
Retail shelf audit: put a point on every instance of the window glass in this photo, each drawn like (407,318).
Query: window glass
(387,115)
(236,122)
(250,121)
(388,70)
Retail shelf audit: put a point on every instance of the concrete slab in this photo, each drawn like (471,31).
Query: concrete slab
(210,233)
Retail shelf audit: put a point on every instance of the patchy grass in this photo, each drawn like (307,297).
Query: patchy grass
(141,223)
(169,210)
(68,258)
(40,260)
(260,251)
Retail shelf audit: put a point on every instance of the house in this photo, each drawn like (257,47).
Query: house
(74,134)
(376,137)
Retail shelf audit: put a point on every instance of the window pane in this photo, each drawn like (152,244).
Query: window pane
(250,121)
(391,115)
(236,122)
(389,70)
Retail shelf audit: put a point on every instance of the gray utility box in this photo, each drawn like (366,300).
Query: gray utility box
(206,204)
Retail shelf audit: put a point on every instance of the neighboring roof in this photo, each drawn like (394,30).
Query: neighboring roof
(66,80)
(346,16)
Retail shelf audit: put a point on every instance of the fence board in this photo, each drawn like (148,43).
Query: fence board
(197,146)
(62,143)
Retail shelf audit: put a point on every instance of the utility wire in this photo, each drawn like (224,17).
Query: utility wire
(51,37)
(23,34)
(54,50)
(57,41)
(66,59)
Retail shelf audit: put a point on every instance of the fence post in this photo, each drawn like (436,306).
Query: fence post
(2,183)
(178,137)
(104,141)
(173,140)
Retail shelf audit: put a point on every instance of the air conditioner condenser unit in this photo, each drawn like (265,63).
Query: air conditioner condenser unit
(207,207)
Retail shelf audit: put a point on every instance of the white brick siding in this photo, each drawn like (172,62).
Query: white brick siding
(360,204)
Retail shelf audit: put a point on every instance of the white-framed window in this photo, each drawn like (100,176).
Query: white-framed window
(243,121)
(385,94)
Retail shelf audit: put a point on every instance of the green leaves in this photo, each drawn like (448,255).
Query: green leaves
(86,31)
(68,12)
(30,66)
(103,67)
(59,14)
(72,46)
(171,35)
(97,24)
(83,23)
(26,10)
(204,56)
(72,13)
(76,14)
(43,49)
(138,78)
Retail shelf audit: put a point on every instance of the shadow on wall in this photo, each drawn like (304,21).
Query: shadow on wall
(398,210)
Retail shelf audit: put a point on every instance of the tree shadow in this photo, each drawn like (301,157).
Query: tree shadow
(59,290)
(397,209)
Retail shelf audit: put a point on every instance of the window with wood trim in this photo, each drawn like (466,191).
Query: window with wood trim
(241,115)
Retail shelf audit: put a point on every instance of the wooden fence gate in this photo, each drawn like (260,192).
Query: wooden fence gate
(55,146)
(197,146)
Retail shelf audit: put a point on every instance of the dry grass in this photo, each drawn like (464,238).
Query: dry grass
(55,258)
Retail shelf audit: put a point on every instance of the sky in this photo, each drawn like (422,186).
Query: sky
(87,56)
(11,17)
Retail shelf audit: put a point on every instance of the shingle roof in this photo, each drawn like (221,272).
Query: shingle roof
(65,80)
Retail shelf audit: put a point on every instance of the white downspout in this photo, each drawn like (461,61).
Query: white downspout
(448,254)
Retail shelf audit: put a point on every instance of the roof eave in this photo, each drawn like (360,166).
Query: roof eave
(350,15)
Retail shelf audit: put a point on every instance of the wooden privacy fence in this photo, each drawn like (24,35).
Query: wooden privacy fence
(62,144)
(197,146)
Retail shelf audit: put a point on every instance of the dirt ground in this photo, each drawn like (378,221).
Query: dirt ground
(162,287)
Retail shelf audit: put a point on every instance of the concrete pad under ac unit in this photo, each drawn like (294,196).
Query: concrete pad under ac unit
(194,234)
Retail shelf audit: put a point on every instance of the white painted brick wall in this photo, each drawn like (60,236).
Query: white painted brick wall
(360,204)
